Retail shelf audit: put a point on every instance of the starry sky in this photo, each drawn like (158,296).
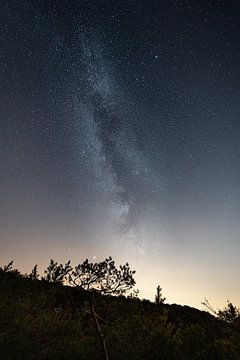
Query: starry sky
(120,136)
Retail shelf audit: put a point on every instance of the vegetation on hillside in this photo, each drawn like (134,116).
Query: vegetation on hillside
(44,318)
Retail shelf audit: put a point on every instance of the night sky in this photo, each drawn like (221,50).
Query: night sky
(120,135)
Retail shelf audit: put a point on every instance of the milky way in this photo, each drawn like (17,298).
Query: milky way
(120,172)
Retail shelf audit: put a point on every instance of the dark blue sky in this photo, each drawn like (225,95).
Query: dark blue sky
(120,136)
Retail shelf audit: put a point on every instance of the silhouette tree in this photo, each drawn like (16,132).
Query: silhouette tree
(230,314)
(159,299)
(103,277)
(34,274)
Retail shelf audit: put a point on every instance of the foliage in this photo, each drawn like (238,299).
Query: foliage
(103,277)
(57,273)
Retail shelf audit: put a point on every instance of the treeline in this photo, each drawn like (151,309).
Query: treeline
(45,318)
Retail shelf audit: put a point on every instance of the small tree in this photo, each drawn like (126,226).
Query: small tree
(34,273)
(159,299)
(102,277)
(230,314)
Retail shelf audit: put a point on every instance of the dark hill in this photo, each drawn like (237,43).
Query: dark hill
(42,320)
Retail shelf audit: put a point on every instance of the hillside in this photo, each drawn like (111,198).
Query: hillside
(43,320)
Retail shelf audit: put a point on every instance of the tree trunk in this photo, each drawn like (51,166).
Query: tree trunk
(100,334)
